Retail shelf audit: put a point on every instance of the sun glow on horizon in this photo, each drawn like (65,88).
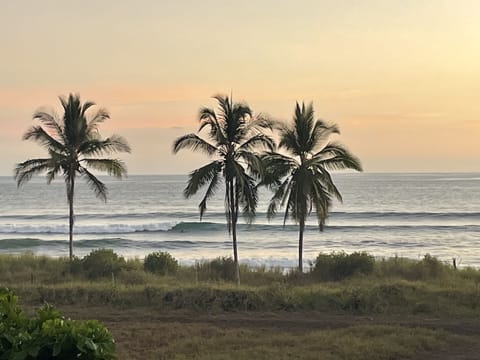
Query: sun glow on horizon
(400,78)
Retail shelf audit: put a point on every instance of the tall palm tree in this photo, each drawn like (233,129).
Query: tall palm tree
(233,134)
(301,180)
(74,145)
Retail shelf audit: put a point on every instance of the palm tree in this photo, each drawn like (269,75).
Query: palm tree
(301,180)
(233,134)
(73,144)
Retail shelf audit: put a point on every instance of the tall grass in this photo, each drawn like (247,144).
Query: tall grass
(388,286)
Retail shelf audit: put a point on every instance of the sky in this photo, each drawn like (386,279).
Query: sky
(400,78)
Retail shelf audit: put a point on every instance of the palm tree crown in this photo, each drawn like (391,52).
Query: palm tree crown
(301,181)
(233,135)
(74,146)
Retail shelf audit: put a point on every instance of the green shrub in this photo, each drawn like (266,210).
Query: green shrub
(221,268)
(160,263)
(431,267)
(48,335)
(261,275)
(427,268)
(102,263)
(74,266)
(338,266)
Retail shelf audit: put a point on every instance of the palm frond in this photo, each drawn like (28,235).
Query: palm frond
(113,167)
(211,190)
(193,142)
(53,172)
(326,179)
(50,122)
(279,194)
(24,171)
(294,202)
(322,201)
(201,176)
(252,161)
(224,105)
(320,134)
(303,126)
(208,117)
(262,122)
(38,134)
(289,141)
(100,116)
(74,123)
(334,156)
(110,145)
(98,187)
(276,167)
(232,117)
(86,105)
(260,141)
(246,190)
(240,117)
(206,113)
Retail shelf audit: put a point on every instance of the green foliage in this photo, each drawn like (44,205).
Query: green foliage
(396,286)
(102,263)
(48,335)
(221,268)
(160,263)
(427,268)
(339,266)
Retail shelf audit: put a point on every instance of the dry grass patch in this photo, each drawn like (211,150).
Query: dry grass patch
(206,341)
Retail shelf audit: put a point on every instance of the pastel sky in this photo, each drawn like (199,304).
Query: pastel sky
(400,78)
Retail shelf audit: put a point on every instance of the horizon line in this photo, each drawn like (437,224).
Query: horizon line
(333,173)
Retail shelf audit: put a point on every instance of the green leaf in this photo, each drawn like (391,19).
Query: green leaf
(21,355)
(89,344)
(57,347)
(33,351)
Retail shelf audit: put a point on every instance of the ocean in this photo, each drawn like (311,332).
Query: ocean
(385,214)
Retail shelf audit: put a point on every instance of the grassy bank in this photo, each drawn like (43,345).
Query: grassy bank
(346,307)
(392,286)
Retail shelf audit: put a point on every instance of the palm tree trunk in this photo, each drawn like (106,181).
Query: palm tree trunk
(71,188)
(300,245)
(234,217)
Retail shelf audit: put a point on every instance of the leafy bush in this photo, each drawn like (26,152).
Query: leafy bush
(338,266)
(160,263)
(48,335)
(102,263)
(427,268)
(431,267)
(221,268)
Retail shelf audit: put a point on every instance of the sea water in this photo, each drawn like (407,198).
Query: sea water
(403,214)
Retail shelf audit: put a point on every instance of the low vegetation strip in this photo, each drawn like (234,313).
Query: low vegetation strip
(377,298)
(144,303)
(355,283)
